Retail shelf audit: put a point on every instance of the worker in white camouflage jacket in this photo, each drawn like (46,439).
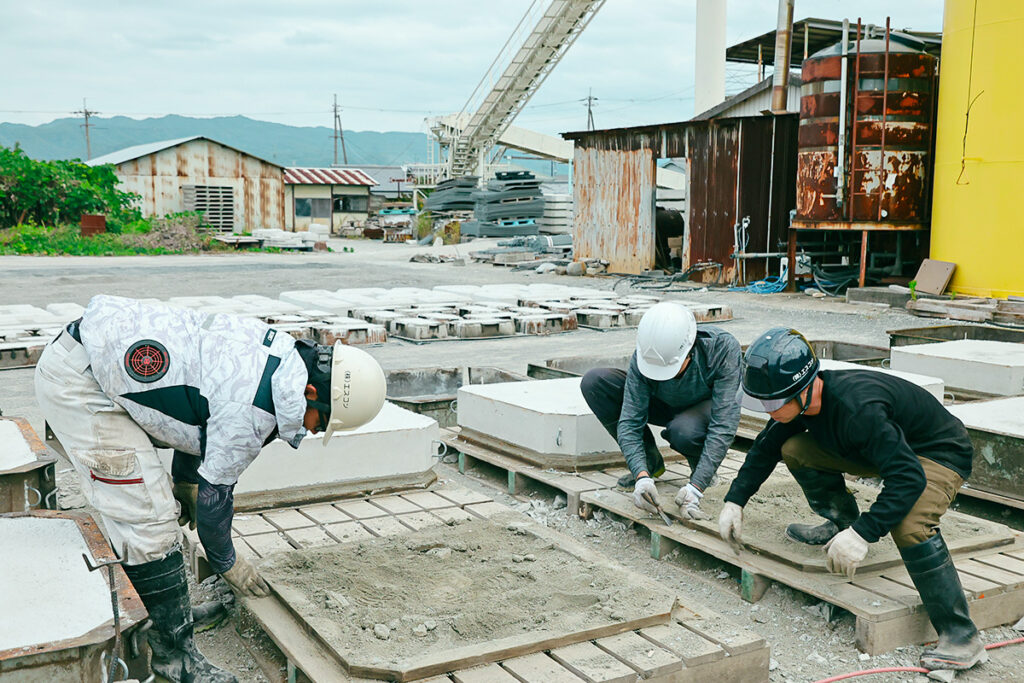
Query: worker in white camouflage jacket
(682,379)
(129,377)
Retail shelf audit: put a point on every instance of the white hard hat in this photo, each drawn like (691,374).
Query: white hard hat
(663,340)
(357,389)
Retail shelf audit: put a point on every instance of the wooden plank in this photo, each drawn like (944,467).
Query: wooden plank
(691,647)
(889,589)
(593,664)
(600,478)
(492,673)
(753,586)
(1005,579)
(717,628)
(1004,561)
(640,654)
(539,668)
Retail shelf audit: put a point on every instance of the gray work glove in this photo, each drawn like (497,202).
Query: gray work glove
(244,580)
(688,500)
(645,496)
(186,495)
(730,524)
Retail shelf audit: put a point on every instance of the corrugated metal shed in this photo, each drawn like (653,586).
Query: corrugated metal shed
(164,173)
(327,176)
(739,167)
(385,176)
(754,101)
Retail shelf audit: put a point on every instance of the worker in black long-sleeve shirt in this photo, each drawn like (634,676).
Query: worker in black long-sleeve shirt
(865,423)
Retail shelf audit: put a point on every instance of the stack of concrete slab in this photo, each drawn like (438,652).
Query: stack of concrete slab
(988,367)
(996,428)
(557,218)
(25,330)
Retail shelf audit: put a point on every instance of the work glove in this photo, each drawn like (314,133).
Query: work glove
(186,494)
(244,580)
(645,496)
(845,551)
(730,523)
(688,500)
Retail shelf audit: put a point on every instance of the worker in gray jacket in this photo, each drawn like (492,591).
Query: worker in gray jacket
(682,379)
(129,377)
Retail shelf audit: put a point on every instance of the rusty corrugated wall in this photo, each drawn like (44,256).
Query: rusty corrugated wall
(257,186)
(738,167)
(614,207)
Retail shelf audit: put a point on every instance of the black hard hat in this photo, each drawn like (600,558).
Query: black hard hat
(777,366)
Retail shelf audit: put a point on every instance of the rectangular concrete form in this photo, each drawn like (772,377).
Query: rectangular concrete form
(991,367)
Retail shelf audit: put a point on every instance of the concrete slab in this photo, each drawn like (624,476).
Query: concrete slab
(48,593)
(545,416)
(396,445)
(14,449)
(1003,416)
(991,367)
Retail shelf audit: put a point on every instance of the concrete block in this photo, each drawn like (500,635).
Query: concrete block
(48,593)
(310,298)
(418,328)
(545,416)
(484,327)
(632,316)
(600,317)
(350,332)
(551,323)
(66,311)
(396,443)
(991,367)
(1003,416)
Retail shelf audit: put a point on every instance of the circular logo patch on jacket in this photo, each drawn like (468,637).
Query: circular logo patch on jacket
(146,361)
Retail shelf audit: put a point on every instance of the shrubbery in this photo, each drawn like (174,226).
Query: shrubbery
(58,192)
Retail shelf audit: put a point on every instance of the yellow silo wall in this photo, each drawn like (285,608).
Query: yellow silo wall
(978,202)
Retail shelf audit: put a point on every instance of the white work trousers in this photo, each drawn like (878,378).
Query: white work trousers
(121,475)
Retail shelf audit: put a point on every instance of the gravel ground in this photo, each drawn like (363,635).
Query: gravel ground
(805,647)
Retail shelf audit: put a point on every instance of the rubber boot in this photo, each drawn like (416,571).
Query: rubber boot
(655,463)
(164,591)
(932,571)
(827,495)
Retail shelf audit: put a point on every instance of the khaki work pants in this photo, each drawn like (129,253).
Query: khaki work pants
(921,523)
(121,474)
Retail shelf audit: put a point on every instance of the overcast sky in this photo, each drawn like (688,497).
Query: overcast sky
(391,62)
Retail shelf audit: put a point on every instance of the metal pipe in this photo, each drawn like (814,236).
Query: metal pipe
(841,157)
(885,107)
(853,127)
(783,42)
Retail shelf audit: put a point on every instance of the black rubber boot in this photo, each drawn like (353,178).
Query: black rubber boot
(164,591)
(827,495)
(655,463)
(932,571)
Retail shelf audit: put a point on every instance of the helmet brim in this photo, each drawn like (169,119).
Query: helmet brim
(762,405)
(659,373)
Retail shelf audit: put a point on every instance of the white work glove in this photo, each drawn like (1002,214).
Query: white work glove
(845,551)
(645,496)
(244,580)
(688,500)
(730,523)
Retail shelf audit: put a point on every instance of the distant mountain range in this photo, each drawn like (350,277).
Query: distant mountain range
(285,145)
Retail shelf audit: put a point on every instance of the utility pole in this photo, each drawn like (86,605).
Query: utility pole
(86,113)
(339,134)
(590,100)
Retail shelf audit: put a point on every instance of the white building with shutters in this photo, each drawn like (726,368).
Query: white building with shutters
(334,197)
(235,191)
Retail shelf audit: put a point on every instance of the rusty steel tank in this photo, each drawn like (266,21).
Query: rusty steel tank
(873,163)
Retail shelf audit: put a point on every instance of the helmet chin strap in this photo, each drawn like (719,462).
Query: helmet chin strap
(806,399)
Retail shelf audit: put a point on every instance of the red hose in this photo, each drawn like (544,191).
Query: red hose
(884,670)
(916,669)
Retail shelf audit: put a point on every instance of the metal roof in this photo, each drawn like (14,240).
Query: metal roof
(327,176)
(729,102)
(138,151)
(819,33)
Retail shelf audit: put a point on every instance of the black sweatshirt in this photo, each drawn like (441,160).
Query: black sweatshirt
(877,420)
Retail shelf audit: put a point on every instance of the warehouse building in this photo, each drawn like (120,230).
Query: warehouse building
(335,197)
(235,191)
